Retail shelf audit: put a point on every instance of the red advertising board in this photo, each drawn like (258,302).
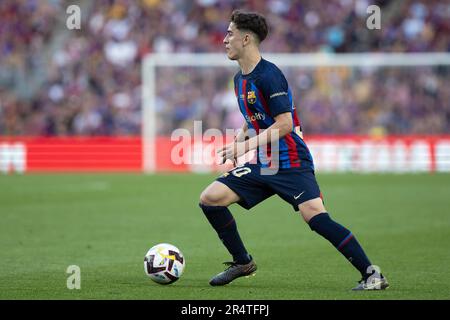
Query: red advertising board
(71,154)
(125,154)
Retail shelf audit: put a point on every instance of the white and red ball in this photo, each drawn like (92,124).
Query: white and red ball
(164,263)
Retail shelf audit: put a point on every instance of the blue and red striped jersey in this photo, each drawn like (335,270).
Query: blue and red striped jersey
(262,95)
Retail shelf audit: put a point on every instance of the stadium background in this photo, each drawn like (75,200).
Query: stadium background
(71,101)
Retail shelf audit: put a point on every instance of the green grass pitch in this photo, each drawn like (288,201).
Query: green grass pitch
(106,223)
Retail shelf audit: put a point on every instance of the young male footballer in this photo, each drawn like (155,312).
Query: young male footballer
(265,100)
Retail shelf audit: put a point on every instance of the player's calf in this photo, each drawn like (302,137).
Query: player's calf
(343,240)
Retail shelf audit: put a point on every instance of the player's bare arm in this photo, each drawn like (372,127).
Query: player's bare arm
(281,127)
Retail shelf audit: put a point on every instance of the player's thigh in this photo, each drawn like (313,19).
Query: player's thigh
(300,189)
(247,182)
(218,194)
(311,208)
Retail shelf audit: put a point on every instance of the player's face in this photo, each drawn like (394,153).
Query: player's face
(233,42)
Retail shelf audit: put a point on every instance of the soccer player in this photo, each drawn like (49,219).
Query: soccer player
(266,102)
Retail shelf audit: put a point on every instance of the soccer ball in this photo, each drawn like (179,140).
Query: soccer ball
(164,263)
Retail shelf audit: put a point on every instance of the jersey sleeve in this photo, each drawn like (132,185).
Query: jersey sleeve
(275,90)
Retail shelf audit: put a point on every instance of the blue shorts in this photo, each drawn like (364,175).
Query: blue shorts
(293,185)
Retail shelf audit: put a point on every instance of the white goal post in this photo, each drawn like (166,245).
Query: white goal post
(152,61)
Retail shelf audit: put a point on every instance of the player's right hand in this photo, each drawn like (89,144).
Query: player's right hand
(227,152)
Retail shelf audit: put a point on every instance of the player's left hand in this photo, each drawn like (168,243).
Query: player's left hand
(232,151)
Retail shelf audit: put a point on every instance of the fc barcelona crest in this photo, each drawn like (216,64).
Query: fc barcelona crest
(251,97)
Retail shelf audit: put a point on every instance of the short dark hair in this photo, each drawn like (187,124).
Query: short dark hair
(251,21)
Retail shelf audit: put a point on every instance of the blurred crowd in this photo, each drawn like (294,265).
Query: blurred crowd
(56,81)
(337,100)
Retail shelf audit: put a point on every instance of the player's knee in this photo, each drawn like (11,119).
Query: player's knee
(208,198)
(311,208)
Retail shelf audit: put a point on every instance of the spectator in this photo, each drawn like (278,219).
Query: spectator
(91,84)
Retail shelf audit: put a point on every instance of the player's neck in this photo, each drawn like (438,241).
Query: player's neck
(249,62)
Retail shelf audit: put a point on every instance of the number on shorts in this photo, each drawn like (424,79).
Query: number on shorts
(239,172)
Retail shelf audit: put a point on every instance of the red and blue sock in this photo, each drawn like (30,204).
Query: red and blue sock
(223,222)
(342,239)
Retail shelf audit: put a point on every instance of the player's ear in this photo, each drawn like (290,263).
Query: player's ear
(246,39)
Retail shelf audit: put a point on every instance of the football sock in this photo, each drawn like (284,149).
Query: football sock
(223,222)
(342,239)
